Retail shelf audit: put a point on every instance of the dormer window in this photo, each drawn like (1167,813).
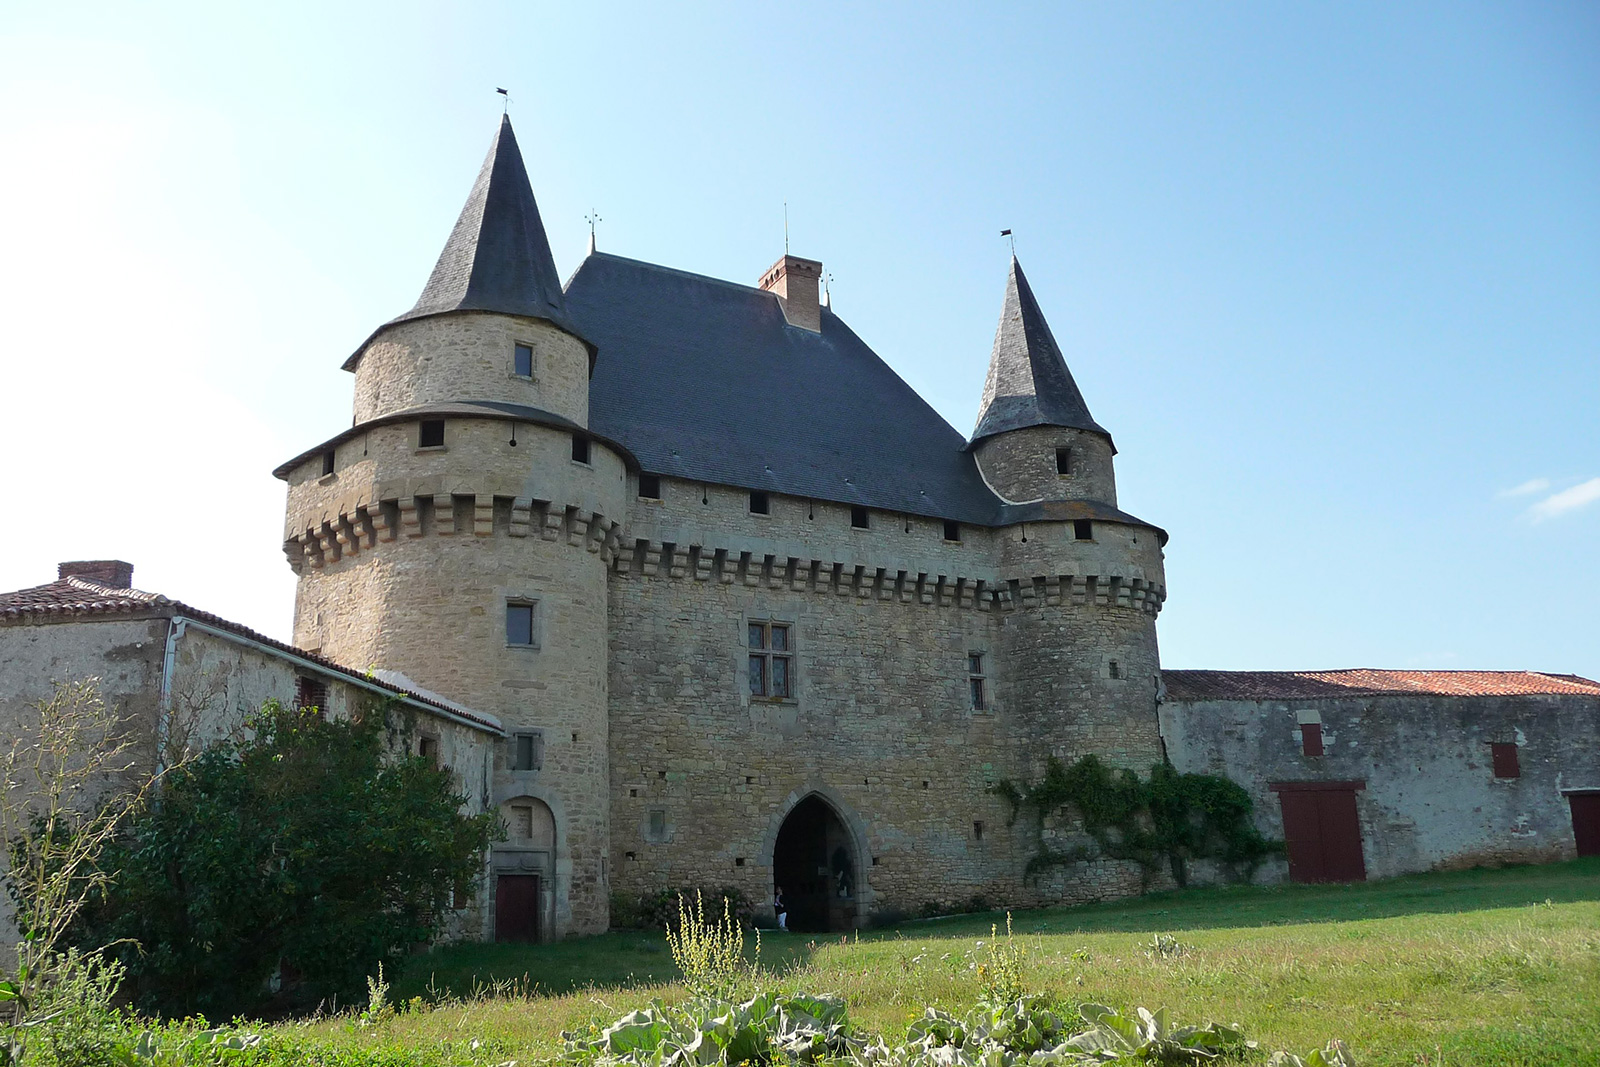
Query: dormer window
(430,434)
(522,361)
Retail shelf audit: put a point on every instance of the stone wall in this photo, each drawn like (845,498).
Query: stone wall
(1431,799)
(1020,465)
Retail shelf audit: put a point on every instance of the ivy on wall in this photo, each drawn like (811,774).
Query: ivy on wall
(1165,820)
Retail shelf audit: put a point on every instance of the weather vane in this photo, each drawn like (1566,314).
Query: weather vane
(507,94)
(1007,233)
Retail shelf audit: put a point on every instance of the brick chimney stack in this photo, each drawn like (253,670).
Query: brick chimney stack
(111,573)
(795,281)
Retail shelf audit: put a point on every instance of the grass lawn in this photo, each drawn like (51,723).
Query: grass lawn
(1479,967)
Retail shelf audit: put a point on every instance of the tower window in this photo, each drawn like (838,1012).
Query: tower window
(1082,530)
(771,660)
(519,625)
(522,361)
(1063,461)
(759,504)
(431,434)
(658,824)
(580,448)
(1505,760)
(858,518)
(650,486)
(977,681)
(952,531)
(527,751)
(327,462)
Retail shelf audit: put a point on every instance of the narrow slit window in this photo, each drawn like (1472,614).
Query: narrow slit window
(1082,530)
(580,448)
(759,504)
(858,518)
(771,660)
(519,625)
(1116,669)
(977,830)
(650,486)
(1063,461)
(952,531)
(1505,760)
(327,462)
(977,681)
(431,433)
(522,361)
(1311,738)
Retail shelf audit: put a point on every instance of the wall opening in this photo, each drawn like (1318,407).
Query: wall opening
(1082,530)
(813,863)
(650,486)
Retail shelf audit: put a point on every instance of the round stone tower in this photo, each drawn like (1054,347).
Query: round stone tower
(1085,579)
(458,533)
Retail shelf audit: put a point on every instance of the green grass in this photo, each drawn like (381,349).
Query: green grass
(1479,967)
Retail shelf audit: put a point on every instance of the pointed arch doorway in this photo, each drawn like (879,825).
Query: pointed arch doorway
(814,862)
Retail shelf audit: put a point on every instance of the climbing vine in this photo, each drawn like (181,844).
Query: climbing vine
(1165,820)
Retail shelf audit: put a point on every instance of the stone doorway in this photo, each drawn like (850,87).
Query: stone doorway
(814,862)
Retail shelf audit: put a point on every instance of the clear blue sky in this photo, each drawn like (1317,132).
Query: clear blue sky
(1330,274)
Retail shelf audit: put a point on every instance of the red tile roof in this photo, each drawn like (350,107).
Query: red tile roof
(81,597)
(1301,685)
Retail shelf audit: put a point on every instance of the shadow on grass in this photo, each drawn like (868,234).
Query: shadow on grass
(634,958)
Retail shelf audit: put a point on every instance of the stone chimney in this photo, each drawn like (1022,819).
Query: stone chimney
(795,281)
(111,573)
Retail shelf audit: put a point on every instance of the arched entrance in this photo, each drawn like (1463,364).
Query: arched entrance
(523,865)
(814,863)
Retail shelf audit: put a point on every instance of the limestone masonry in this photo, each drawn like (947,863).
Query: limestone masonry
(789,638)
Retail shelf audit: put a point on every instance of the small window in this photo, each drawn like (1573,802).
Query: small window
(310,693)
(858,518)
(527,751)
(771,660)
(519,625)
(580,448)
(431,434)
(1505,760)
(952,531)
(650,486)
(1311,738)
(1063,461)
(428,749)
(327,462)
(977,681)
(759,504)
(1082,530)
(977,830)
(1116,669)
(522,361)
(658,824)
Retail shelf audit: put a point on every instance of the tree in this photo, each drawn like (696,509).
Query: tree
(299,856)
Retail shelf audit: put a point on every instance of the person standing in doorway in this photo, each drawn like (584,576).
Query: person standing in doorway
(781,908)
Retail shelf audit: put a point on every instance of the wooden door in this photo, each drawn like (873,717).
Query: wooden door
(1322,831)
(1586,822)
(516,907)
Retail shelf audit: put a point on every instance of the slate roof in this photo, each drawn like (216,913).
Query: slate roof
(1029,383)
(1303,685)
(78,597)
(497,257)
(703,379)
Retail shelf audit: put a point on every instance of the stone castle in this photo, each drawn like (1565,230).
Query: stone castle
(751,612)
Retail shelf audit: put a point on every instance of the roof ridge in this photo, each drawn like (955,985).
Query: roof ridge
(679,271)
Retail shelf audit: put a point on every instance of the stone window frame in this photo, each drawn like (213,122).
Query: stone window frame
(789,619)
(650,832)
(1114,667)
(535,739)
(535,622)
(980,697)
(533,360)
(768,652)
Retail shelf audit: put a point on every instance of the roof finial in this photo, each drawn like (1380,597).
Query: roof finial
(592,218)
(1007,233)
(827,296)
(786,227)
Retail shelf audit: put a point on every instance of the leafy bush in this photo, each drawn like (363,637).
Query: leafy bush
(302,853)
(797,1028)
(659,910)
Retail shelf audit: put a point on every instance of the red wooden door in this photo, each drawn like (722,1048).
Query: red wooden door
(1322,831)
(516,907)
(1586,822)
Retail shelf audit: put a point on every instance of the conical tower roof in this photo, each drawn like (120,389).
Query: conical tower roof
(497,257)
(1029,383)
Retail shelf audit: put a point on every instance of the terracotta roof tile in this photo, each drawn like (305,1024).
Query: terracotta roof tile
(1301,685)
